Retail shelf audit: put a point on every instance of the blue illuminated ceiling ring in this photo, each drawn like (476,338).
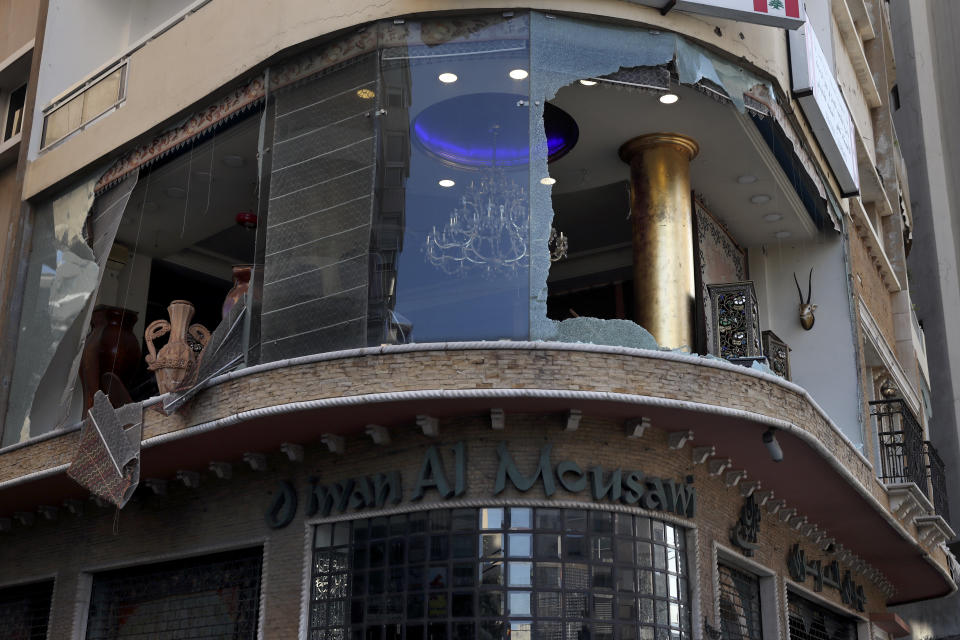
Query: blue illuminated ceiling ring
(484,130)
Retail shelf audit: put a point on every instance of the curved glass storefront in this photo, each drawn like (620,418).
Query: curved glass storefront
(501,572)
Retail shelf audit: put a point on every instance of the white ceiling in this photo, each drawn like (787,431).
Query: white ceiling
(730,147)
(190,203)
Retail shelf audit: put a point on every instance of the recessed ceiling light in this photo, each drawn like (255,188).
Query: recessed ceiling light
(175,192)
(669,98)
(548,180)
(201,175)
(519,74)
(365,94)
(773,217)
(782,234)
(447,78)
(747,179)
(446,183)
(588,83)
(760,198)
(233,161)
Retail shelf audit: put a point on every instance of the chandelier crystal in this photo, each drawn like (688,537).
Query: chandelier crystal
(489,230)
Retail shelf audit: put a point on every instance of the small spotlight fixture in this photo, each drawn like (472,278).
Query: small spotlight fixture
(548,180)
(773,217)
(746,179)
(447,78)
(780,235)
(365,94)
(760,198)
(446,183)
(773,447)
(519,74)
(669,98)
(588,83)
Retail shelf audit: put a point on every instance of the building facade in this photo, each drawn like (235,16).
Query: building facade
(464,320)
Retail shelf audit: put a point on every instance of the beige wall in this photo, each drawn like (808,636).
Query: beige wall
(18,19)
(226,39)
(8,199)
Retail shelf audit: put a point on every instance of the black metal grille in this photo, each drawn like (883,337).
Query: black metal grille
(500,573)
(810,621)
(901,443)
(214,596)
(938,482)
(25,610)
(739,605)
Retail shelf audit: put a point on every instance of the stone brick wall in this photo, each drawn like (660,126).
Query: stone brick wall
(230,513)
(869,286)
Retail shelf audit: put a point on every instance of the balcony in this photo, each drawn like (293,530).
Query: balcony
(904,455)
(938,482)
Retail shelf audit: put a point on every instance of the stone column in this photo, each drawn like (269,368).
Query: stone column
(660,204)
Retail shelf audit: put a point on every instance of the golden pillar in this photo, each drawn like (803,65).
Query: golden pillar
(663,281)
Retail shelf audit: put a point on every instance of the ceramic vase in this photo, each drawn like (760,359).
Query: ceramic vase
(241,282)
(111,348)
(173,362)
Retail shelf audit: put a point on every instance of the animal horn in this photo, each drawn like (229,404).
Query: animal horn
(809,285)
(799,292)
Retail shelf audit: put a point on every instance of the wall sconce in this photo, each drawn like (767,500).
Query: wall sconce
(773,447)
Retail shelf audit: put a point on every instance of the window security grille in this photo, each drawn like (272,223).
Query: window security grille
(739,605)
(25,610)
(214,596)
(499,573)
(810,621)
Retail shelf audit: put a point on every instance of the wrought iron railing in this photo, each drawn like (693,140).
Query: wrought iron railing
(901,443)
(938,482)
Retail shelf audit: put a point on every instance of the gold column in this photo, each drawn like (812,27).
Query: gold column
(663,282)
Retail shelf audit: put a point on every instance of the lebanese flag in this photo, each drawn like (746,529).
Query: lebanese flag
(792,7)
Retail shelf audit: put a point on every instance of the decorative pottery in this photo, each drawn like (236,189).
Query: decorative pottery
(111,348)
(177,360)
(241,282)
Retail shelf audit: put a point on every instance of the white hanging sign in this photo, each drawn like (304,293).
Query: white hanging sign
(786,14)
(819,95)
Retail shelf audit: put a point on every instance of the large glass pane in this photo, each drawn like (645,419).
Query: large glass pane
(450,253)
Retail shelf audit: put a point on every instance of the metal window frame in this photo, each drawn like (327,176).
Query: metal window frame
(78,93)
(85,574)
(772,621)
(861,622)
(6,114)
(688,528)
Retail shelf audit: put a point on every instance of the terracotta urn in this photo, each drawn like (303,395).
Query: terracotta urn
(241,282)
(111,348)
(176,360)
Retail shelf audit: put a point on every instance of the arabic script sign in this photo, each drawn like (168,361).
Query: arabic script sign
(747,530)
(825,574)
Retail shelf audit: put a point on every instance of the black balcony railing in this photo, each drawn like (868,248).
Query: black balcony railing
(938,482)
(901,443)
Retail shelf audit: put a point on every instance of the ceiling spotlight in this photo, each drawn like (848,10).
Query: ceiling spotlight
(588,83)
(780,235)
(760,198)
(773,217)
(548,180)
(519,74)
(447,78)
(233,161)
(747,179)
(446,183)
(365,94)
(175,192)
(669,98)
(773,447)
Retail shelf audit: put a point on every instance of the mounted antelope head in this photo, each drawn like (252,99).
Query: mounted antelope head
(806,309)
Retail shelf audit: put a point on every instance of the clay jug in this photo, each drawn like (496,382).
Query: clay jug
(241,282)
(176,359)
(111,348)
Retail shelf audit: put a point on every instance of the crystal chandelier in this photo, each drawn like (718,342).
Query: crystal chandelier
(489,230)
